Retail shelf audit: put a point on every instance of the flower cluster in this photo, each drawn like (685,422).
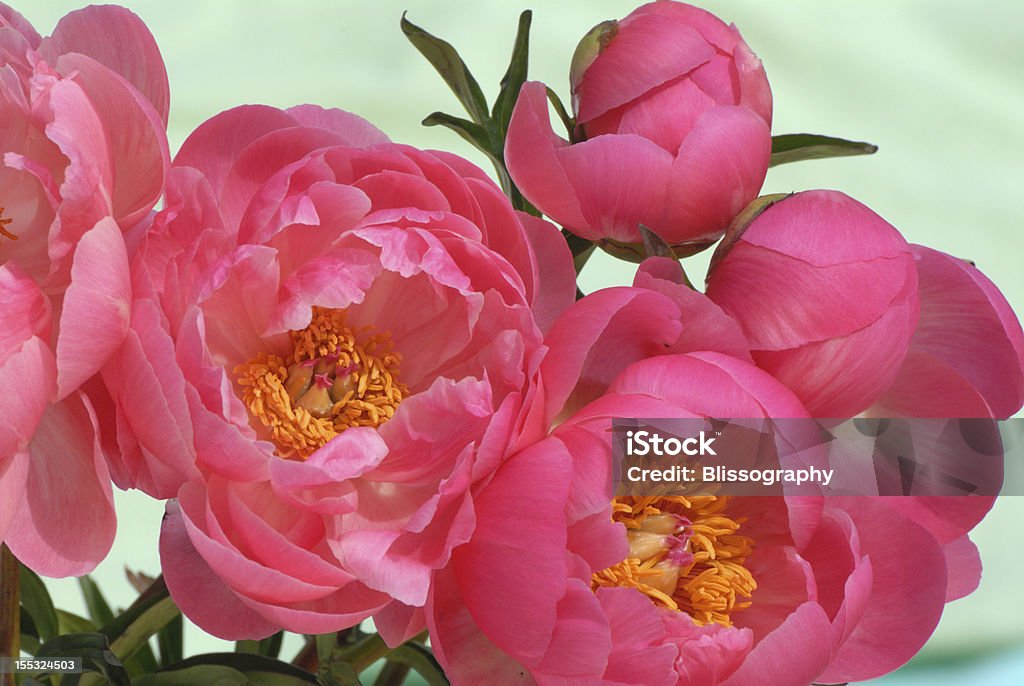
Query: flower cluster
(365,383)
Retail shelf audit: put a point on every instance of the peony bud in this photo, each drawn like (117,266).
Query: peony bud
(826,292)
(673,115)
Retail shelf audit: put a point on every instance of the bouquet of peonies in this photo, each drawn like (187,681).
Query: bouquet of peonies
(365,382)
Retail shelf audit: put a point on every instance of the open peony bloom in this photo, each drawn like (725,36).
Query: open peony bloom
(333,339)
(648,591)
(673,115)
(826,292)
(83,157)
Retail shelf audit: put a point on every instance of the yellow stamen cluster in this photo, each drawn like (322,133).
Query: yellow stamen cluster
(336,378)
(708,580)
(4,233)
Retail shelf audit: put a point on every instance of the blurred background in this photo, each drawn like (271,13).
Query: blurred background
(934,83)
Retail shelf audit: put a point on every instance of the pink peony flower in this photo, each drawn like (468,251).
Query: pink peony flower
(673,114)
(561,583)
(333,339)
(826,292)
(84,156)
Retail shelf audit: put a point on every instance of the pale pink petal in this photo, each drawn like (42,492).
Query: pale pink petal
(200,593)
(97,306)
(66,522)
(10,17)
(13,477)
(397,623)
(135,139)
(26,311)
(215,143)
(152,415)
(116,38)
(31,370)
(353,129)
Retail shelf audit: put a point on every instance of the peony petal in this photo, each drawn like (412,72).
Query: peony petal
(199,592)
(464,651)
(97,306)
(963,562)
(521,511)
(353,129)
(627,68)
(66,522)
(621,182)
(555,287)
(530,154)
(966,325)
(32,370)
(13,477)
(116,38)
(136,143)
(718,170)
(26,311)
(773,659)
(906,599)
(215,143)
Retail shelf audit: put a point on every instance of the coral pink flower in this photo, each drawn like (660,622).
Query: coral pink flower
(673,113)
(826,292)
(690,591)
(333,339)
(84,157)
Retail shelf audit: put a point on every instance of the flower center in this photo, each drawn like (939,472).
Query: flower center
(336,378)
(684,554)
(4,233)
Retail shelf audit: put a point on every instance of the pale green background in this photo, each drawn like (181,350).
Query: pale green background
(936,84)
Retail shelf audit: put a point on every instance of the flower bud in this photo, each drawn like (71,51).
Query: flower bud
(673,115)
(826,292)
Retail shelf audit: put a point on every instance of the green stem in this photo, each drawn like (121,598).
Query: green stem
(366,652)
(10,616)
(393,674)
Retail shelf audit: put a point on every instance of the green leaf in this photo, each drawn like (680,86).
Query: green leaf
(70,623)
(208,675)
(796,147)
(36,602)
(170,640)
(98,660)
(445,59)
(97,606)
(568,122)
(515,75)
(204,669)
